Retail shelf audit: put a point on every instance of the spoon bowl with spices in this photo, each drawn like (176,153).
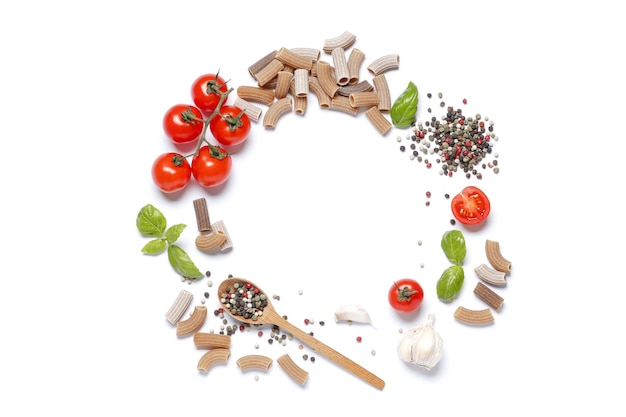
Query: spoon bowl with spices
(247,303)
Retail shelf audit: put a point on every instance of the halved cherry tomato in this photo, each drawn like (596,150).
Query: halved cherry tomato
(206,92)
(231,127)
(182,123)
(211,166)
(471,206)
(171,172)
(406,295)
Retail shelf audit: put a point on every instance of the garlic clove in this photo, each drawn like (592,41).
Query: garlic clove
(422,346)
(352,312)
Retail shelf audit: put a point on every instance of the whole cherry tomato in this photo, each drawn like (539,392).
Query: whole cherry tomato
(231,127)
(206,91)
(171,172)
(406,295)
(211,166)
(471,206)
(182,123)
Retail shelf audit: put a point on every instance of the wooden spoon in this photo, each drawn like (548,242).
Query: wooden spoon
(270,316)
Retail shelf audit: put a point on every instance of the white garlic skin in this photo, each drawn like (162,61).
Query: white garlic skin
(421,346)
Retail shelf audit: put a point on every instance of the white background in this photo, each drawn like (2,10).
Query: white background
(322,204)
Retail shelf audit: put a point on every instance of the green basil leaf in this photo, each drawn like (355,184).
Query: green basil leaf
(151,222)
(404,108)
(450,283)
(173,233)
(154,247)
(182,264)
(453,245)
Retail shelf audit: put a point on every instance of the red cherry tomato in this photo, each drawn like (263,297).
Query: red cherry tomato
(171,172)
(211,166)
(206,91)
(231,127)
(182,123)
(471,206)
(406,295)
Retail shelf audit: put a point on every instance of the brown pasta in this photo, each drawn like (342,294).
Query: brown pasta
(211,340)
(248,362)
(193,323)
(342,104)
(293,59)
(219,226)
(475,317)
(379,121)
(256,94)
(261,63)
(382,88)
(269,72)
(316,88)
(276,110)
(312,53)
(202,215)
(355,61)
(210,242)
(253,112)
(212,358)
(360,87)
(342,74)
(384,63)
(365,99)
(301,82)
(294,371)
(488,296)
(299,102)
(326,78)
(283,81)
(345,40)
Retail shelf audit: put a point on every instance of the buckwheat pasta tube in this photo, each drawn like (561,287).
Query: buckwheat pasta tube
(342,104)
(475,317)
(311,53)
(261,63)
(366,99)
(193,323)
(379,121)
(275,111)
(253,112)
(212,358)
(283,81)
(260,362)
(316,88)
(345,40)
(384,63)
(326,78)
(355,60)
(299,102)
(301,82)
(293,59)
(179,307)
(268,73)
(294,371)
(342,74)
(382,88)
(211,340)
(219,226)
(359,87)
(256,94)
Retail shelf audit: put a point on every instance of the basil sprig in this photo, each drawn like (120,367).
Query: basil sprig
(152,223)
(451,281)
(404,108)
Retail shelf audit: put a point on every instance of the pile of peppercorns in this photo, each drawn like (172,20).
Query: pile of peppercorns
(455,142)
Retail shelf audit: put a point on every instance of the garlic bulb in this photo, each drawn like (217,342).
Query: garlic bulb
(422,345)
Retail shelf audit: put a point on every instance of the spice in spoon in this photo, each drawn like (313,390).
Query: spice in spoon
(245,300)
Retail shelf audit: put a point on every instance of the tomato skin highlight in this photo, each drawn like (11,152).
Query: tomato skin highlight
(171,172)
(205,92)
(179,130)
(405,295)
(209,170)
(222,128)
(471,206)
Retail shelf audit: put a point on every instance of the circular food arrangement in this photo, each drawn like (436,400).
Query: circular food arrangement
(217,121)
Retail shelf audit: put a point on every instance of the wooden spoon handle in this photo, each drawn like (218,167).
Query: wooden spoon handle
(329,352)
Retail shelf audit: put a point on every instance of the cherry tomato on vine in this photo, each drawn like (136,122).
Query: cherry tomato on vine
(211,166)
(231,127)
(183,123)
(206,91)
(471,206)
(171,172)
(406,295)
